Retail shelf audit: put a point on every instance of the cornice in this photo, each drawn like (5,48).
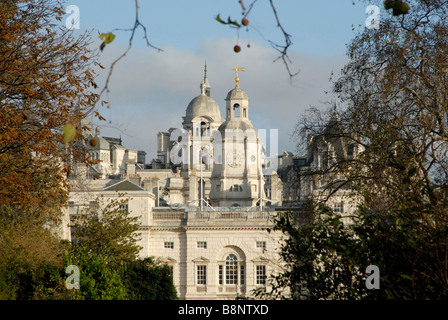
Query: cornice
(205,228)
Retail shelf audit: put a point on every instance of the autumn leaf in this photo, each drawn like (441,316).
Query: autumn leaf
(69,133)
(107,38)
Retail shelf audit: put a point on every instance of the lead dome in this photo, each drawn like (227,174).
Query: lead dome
(202,106)
(237,94)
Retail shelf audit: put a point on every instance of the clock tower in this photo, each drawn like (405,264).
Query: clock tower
(237,176)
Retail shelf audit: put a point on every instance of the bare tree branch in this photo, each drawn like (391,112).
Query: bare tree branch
(137,24)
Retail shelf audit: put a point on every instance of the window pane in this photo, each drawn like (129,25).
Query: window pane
(242,275)
(202,244)
(202,274)
(338,207)
(231,269)
(220,274)
(261,274)
(261,244)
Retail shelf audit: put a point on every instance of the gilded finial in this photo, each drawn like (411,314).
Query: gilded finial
(238,69)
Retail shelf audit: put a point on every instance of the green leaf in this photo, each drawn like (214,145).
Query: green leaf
(405,276)
(218,18)
(229,21)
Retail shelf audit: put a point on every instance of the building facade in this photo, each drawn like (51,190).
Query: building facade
(205,203)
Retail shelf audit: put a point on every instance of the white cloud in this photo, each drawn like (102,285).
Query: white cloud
(150,91)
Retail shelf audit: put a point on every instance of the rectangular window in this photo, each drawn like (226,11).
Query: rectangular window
(261,274)
(261,244)
(202,274)
(202,244)
(219,274)
(169,245)
(124,207)
(232,274)
(242,275)
(338,207)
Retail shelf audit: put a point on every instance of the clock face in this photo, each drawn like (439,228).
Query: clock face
(234,159)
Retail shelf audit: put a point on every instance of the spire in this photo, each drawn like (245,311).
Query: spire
(203,88)
(205,85)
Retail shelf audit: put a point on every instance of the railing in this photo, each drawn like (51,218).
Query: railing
(170,215)
(227,214)
(231,215)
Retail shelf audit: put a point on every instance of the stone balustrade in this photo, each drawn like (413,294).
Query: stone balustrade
(191,216)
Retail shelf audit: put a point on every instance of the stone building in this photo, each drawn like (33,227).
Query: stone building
(201,202)
(205,203)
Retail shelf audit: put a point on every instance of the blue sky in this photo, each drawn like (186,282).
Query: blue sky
(150,90)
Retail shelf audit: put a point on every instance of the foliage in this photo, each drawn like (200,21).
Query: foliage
(45,81)
(108,227)
(149,280)
(322,259)
(327,259)
(105,251)
(100,274)
(27,250)
(398,7)
(395,91)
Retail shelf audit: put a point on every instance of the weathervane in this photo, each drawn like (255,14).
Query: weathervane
(241,69)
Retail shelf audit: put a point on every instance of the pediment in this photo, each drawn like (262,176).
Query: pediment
(200,259)
(124,185)
(168,260)
(260,259)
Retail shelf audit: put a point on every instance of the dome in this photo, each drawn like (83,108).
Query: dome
(236,124)
(204,106)
(237,94)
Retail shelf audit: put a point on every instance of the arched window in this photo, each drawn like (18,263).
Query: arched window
(236,110)
(231,269)
(203,128)
(232,273)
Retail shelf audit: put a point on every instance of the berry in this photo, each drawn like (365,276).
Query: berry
(244,22)
(237,48)
(93,142)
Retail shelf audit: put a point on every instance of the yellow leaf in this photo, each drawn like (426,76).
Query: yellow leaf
(69,133)
(107,37)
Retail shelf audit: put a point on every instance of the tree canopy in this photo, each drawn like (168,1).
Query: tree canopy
(393,95)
